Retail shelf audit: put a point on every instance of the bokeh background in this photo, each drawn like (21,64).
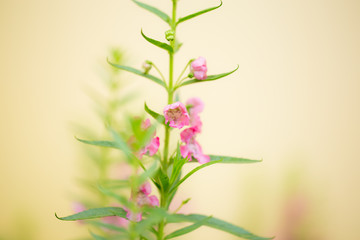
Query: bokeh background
(294,102)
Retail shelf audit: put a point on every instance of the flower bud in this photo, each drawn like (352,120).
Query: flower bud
(170,35)
(147,66)
(198,68)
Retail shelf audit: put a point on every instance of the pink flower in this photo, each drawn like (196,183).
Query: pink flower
(195,105)
(153,201)
(145,188)
(188,134)
(198,68)
(145,124)
(78,207)
(193,149)
(117,221)
(132,216)
(177,115)
(144,198)
(153,146)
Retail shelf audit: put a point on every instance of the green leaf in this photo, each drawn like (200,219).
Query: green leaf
(95,213)
(215,223)
(160,118)
(192,172)
(121,143)
(188,229)
(152,216)
(198,13)
(164,179)
(159,44)
(121,199)
(115,183)
(154,10)
(138,72)
(179,162)
(148,173)
(209,78)
(225,159)
(109,144)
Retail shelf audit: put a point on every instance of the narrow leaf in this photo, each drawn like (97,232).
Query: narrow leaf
(159,44)
(153,216)
(188,229)
(138,72)
(192,172)
(160,118)
(225,159)
(121,143)
(95,213)
(164,179)
(121,199)
(198,13)
(209,78)
(215,223)
(154,10)
(148,173)
(109,144)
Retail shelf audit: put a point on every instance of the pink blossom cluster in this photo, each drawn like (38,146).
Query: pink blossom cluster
(178,117)
(153,146)
(192,148)
(143,198)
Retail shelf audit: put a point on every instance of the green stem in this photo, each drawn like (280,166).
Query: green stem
(158,70)
(165,163)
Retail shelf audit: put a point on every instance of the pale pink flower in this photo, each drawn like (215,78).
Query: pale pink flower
(177,115)
(193,149)
(144,198)
(115,220)
(195,105)
(195,122)
(132,216)
(153,146)
(78,207)
(145,124)
(198,68)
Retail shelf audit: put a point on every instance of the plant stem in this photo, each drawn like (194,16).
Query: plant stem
(165,162)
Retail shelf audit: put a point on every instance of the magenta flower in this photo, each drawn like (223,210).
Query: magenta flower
(177,115)
(198,68)
(193,149)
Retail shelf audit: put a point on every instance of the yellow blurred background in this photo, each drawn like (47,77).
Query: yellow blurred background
(294,102)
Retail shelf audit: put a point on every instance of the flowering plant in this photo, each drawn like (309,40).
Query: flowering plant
(143,214)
